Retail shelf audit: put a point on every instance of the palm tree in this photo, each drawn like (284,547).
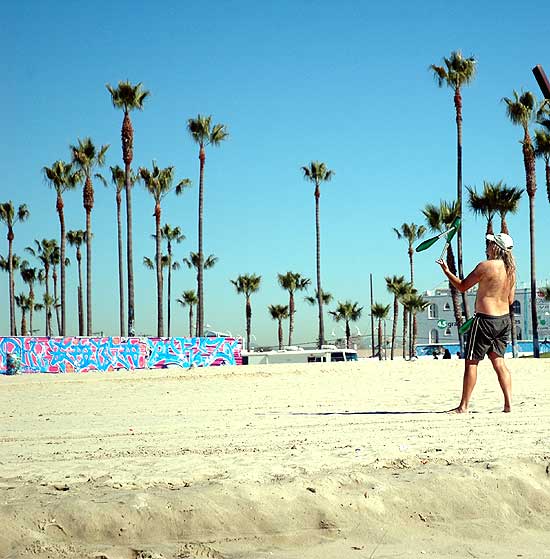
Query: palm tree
(347,312)
(204,134)
(247,284)
(171,235)
(43,253)
(507,201)
(194,262)
(150,264)
(75,239)
(189,298)
(542,150)
(29,276)
(317,173)
(414,303)
(49,302)
(23,302)
(313,299)
(118,179)
(10,216)
(440,218)
(5,267)
(159,183)
(521,110)
(87,157)
(380,312)
(279,313)
(292,282)
(485,203)
(403,293)
(456,73)
(55,260)
(128,97)
(61,178)
(397,286)
(412,233)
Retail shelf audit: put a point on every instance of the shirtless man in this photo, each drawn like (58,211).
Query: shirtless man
(491,327)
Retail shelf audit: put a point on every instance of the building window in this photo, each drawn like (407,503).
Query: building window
(447,306)
(434,336)
(448,332)
(518,334)
(516,307)
(432,311)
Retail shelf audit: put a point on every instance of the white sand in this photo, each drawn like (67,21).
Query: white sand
(305,461)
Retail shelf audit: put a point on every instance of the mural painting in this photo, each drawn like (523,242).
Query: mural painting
(74,354)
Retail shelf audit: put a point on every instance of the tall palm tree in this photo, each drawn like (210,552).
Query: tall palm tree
(203,133)
(403,293)
(414,304)
(317,173)
(55,261)
(412,233)
(61,178)
(380,312)
(49,302)
(396,285)
(30,276)
(189,298)
(150,264)
(194,262)
(440,218)
(86,157)
(43,252)
(521,110)
(128,97)
(279,313)
(542,149)
(292,282)
(347,312)
(76,238)
(159,183)
(9,215)
(171,235)
(457,72)
(247,284)
(313,299)
(5,267)
(118,179)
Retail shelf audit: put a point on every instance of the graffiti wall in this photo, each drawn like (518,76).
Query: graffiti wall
(67,355)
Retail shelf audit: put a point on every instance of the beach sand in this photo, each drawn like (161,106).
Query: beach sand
(282,461)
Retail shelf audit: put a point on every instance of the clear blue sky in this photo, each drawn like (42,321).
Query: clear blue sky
(346,83)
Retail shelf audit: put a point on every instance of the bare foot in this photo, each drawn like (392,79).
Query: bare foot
(457,410)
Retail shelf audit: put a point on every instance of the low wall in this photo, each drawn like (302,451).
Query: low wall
(75,354)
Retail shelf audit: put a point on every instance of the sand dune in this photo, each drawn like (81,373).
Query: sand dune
(305,461)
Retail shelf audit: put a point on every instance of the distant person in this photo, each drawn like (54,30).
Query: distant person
(446,354)
(490,330)
(434,353)
(458,355)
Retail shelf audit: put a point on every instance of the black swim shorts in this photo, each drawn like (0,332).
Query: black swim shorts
(488,333)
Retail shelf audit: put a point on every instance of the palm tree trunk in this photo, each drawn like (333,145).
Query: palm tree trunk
(200,317)
(48,313)
(121,314)
(80,294)
(55,298)
(248,322)
(529,162)
(190,320)
(405,331)
(63,274)
(23,323)
(457,308)
(280,332)
(169,285)
(458,107)
(547,168)
(11,282)
(348,335)
(394,327)
(380,339)
(31,299)
(318,244)
(290,317)
(160,317)
(411,264)
(88,272)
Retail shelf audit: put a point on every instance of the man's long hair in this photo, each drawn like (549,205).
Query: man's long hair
(508,258)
